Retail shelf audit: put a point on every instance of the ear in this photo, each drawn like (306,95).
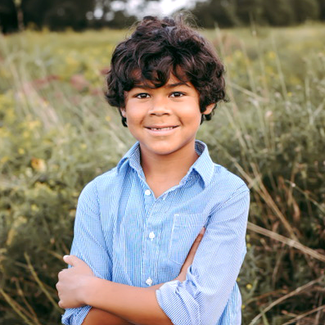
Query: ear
(209,109)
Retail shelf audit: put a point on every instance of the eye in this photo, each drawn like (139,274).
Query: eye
(142,95)
(176,94)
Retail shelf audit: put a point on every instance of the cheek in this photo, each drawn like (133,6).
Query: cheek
(134,121)
(134,117)
(131,113)
(196,119)
(192,114)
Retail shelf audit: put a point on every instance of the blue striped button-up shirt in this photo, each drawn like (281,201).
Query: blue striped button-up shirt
(126,235)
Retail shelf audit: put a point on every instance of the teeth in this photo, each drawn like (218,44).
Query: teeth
(162,129)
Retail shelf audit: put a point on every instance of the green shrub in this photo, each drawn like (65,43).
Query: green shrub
(57,133)
(274,139)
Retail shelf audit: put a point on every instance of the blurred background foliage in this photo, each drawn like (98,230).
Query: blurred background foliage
(81,14)
(57,133)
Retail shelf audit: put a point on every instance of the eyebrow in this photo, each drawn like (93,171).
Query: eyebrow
(181,83)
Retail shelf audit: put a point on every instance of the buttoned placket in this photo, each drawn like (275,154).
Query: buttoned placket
(152,235)
(149,247)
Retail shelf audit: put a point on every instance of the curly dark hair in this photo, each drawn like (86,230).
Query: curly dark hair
(161,47)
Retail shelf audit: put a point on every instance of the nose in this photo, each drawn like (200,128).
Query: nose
(159,106)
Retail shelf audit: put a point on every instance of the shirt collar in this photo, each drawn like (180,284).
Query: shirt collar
(132,157)
(204,166)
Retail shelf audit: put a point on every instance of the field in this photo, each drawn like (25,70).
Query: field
(57,133)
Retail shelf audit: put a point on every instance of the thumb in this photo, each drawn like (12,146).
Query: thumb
(71,260)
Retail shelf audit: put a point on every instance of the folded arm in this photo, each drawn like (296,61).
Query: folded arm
(116,304)
(210,286)
(207,287)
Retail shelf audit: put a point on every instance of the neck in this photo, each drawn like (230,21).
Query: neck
(165,171)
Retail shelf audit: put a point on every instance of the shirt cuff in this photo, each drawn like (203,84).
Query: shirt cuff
(178,304)
(75,316)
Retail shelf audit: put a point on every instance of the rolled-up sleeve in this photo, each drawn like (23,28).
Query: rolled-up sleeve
(203,296)
(89,245)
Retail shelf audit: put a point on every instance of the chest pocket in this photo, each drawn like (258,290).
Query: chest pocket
(186,228)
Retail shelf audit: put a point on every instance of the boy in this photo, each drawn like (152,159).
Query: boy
(136,224)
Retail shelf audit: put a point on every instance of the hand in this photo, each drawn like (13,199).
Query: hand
(72,282)
(190,257)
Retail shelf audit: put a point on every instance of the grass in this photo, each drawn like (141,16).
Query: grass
(57,133)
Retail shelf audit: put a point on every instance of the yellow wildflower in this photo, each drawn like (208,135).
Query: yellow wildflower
(38,164)
(4,159)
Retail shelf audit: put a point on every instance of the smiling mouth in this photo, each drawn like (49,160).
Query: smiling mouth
(162,128)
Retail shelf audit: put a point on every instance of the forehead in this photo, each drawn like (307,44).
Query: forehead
(172,81)
(156,81)
(175,80)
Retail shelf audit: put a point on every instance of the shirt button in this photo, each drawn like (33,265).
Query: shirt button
(149,281)
(147,192)
(152,235)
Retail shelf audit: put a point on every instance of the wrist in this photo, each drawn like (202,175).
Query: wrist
(87,290)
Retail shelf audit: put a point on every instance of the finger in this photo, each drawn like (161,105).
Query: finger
(72,260)
(60,274)
(201,233)
(195,245)
(197,241)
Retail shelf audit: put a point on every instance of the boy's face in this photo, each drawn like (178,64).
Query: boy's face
(164,120)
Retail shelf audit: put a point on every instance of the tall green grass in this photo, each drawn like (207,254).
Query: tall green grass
(57,133)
